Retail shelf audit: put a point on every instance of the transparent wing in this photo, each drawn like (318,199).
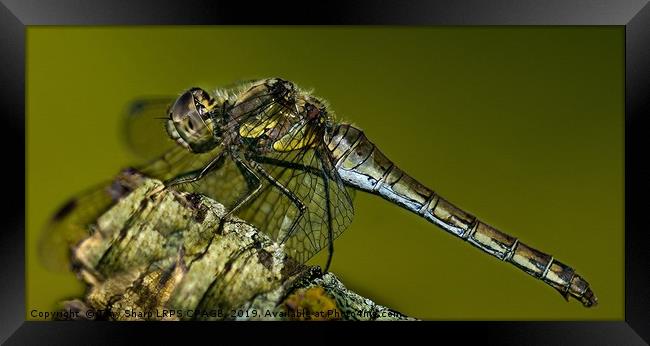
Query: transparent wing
(306,173)
(308,176)
(301,167)
(71,223)
(144,127)
(224,184)
(177,161)
(145,134)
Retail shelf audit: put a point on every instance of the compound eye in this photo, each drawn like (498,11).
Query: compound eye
(188,115)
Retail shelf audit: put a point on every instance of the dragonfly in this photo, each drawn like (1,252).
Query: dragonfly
(275,156)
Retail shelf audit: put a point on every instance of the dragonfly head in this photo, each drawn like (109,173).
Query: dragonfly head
(190,123)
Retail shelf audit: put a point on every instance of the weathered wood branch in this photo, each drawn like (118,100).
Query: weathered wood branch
(171,256)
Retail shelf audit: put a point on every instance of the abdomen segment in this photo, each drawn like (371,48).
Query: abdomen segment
(361,165)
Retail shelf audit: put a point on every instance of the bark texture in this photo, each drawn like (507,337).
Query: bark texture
(170,255)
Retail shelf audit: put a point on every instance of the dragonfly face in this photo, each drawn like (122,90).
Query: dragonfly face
(272,154)
(190,123)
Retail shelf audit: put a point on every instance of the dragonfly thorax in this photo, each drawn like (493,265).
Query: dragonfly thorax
(279,117)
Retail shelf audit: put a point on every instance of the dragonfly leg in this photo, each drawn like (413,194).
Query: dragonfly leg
(253,181)
(254,188)
(254,185)
(198,174)
(330,233)
(302,209)
(189,177)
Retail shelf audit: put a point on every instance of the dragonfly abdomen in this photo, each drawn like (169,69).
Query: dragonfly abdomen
(361,165)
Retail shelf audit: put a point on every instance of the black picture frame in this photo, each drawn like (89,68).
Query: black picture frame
(634,15)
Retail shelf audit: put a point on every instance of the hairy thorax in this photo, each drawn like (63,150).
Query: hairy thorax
(284,118)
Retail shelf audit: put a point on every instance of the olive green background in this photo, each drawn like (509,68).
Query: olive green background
(522,126)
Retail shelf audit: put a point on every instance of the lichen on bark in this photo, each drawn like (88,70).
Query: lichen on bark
(171,255)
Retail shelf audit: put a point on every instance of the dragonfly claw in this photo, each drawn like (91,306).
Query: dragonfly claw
(155,192)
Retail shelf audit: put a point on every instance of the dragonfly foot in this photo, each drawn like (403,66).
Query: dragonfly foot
(153,194)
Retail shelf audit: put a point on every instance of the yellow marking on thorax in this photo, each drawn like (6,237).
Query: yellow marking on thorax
(255,127)
(295,140)
(254,130)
